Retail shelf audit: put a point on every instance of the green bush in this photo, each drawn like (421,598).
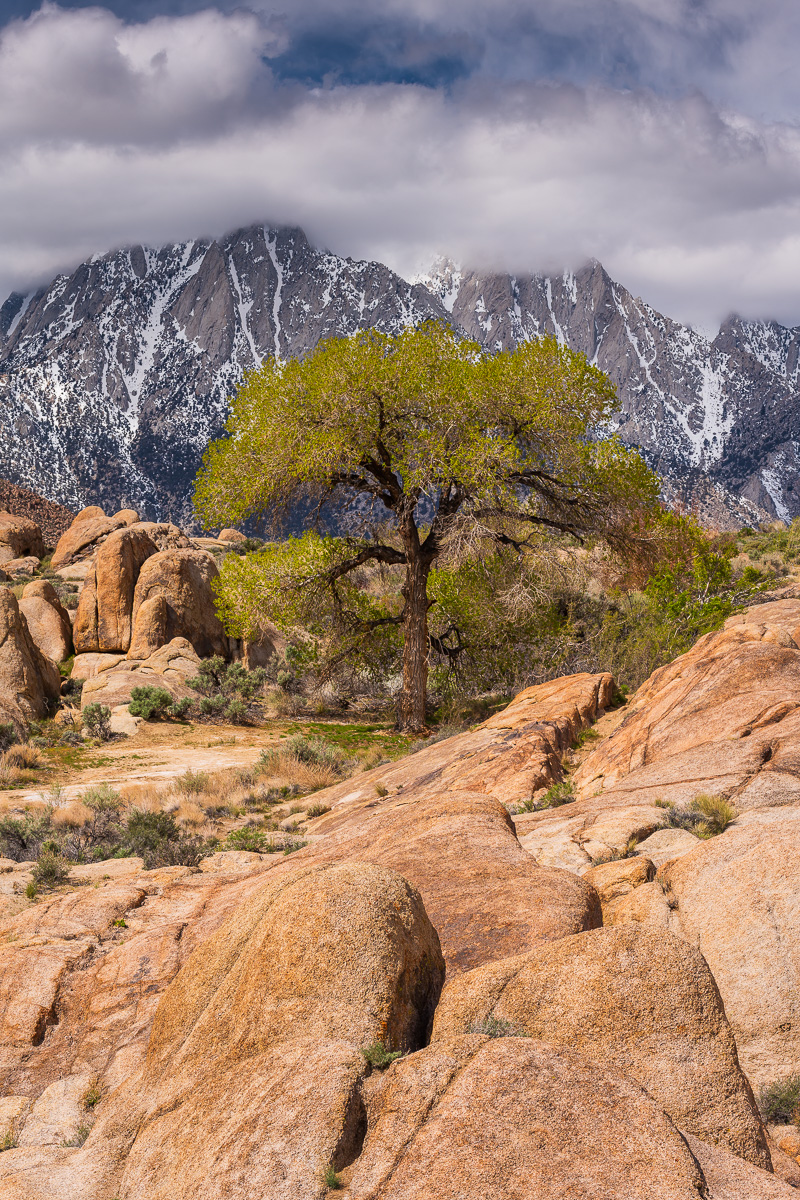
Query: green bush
(149,702)
(379,1057)
(248,838)
(51,870)
(331,1179)
(22,838)
(780,1101)
(315,752)
(157,838)
(8,735)
(97,721)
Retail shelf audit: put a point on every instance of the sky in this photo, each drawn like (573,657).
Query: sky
(661,137)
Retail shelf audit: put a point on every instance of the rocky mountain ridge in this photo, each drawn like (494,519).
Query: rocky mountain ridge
(114,378)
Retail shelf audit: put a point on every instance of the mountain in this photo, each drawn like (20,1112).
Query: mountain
(114,378)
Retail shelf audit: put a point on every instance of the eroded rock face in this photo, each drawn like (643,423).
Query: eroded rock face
(89,529)
(515,1118)
(632,998)
(47,619)
(183,578)
(110,679)
(19,538)
(28,680)
(104,620)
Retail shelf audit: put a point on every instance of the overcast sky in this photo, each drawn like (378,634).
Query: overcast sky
(517,134)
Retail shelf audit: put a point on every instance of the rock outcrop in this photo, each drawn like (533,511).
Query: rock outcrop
(47,619)
(111,678)
(182,578)
(29,682)
(104,620)
(89,529)
(633,998)
(19,538)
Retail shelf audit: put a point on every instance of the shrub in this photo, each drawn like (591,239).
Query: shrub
(192,783)
(22,838)
(379,1057)
(314,752)
(51,870)
(99,836)
(556,795)
(496,1027)
(249,838)
(157,838)
(780,1101)
(331,1179)
(8,1141)
(97,721)
(94,1093)
(149,702)
(180,709)
(317,810)
(8,735)
(23,756)
(236,712)
(292,844)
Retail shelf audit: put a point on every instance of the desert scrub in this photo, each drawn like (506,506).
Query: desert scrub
(248,838)
(706,816)
(150,702)
(317,810)
(97,721)
(8,735)
(780,1101)
(331,1179)
(51,870)
(94,1093)
(24,757)
(379,1057)
(496,1027)
(158,839)
(617,854)
(556,795)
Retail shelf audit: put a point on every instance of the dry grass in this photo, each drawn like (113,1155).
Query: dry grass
(190,814)
(24,757)
(73,815)
(146,797)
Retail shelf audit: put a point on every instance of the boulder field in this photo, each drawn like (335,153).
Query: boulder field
(591,1028)
(145,607)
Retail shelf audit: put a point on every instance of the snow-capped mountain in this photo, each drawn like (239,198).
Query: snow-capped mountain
(113,379)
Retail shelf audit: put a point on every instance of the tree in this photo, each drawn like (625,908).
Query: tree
(447,450)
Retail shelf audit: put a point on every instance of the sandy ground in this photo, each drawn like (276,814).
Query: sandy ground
(156,753)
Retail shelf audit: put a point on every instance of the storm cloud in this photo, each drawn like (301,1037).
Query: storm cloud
(521,136)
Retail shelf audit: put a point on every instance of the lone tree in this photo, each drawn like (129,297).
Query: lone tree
(438,447)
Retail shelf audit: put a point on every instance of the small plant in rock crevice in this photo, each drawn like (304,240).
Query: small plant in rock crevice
(331,1179)
(705,817)
(556,795)
(378,1057)
(496,1027)
(779,1102)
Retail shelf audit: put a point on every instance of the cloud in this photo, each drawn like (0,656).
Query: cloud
(185,125)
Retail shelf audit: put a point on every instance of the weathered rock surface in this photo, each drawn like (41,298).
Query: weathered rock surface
(632,998)
(183,578)
(104,620)
(28,680)
(19,538)
(89,529)
(47,619)
(110,679)
(21,568)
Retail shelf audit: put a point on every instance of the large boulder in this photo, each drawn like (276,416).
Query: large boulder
(183,578)
(104,620)
(89,529)
(515,1119)
(29,681)
(19,538)
(737,898)
(47,619)
(111,678)
(633,998)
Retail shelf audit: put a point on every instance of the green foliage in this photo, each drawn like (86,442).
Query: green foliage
(780,1101)
(379,1057)
(150,702)
(331,1179)
(22,838)
(97,721)
(496,1027)
(497,449)
(157,838)
(51,870)
(556,795)
(8,1141)
(248,838)
(317,810)
(315,752)
(8,735)
(706,817)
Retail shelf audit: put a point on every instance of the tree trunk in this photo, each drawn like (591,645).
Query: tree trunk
(415,643)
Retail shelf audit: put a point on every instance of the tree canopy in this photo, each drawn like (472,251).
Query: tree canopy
(432,454)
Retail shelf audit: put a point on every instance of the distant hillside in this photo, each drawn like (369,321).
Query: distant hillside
(52,518)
